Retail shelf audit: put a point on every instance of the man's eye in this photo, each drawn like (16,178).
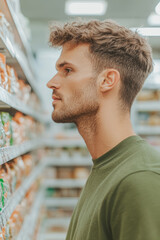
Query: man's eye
(68,70)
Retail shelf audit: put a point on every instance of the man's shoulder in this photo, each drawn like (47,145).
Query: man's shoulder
(140,179)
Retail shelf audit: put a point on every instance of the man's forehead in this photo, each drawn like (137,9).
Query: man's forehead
(71,53)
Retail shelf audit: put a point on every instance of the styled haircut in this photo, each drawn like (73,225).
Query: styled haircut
(110,46)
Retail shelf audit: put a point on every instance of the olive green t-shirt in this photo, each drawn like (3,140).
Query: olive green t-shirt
(121,198)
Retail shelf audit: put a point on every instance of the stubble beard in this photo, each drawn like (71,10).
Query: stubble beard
(83,104)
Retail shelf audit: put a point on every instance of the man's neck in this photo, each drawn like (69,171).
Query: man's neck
(104,131)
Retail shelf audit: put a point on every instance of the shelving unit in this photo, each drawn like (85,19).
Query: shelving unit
(71,185)
(28,227)
(63,162)
(19,28)
(66,183)
(55,236)
(16,48)
(146,110)
(147,106)
(8,153)
(53,222)
(8,100)
(61,202)
(18,195)
(148,130)
(55,143)
(16,58)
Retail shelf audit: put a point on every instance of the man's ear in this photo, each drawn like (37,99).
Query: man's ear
(108,79)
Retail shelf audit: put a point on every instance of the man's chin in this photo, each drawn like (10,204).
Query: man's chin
(60,119)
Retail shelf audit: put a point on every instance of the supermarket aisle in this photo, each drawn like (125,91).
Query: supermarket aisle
(43,167)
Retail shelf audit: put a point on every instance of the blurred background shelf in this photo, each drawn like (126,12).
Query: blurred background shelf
(62,183)
(147,106)
(148,130)
(8,153)
(61,202)
(30,220)
(66,161)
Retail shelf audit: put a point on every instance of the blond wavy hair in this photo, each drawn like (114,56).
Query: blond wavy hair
(110,46)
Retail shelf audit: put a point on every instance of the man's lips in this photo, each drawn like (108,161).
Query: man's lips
(54,97)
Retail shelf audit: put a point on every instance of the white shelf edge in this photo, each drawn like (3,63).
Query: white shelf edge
(68,183)
(64,142)
(147,106)
(29,223)
(54,236)
(151,86)
(57,221)
(18,195)
(61,202)
(16,103)
(147,130)
(8,153)
(87,162)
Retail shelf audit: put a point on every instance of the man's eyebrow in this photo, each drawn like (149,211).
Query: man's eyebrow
(60,65)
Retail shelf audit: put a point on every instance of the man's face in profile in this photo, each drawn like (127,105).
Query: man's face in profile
(74,86)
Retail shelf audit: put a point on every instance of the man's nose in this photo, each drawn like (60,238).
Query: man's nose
(53,83)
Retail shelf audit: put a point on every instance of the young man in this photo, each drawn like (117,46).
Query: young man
(101,69)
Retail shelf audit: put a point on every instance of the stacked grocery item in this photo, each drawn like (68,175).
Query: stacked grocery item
(149,95)
(17,129)
(10,82)
(11,230)
(12,174)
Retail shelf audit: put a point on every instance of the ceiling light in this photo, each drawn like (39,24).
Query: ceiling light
(154,19)
(89,7)
(157,8)
(146,31)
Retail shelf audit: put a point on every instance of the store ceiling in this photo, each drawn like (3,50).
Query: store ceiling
(130,13)
(44,10)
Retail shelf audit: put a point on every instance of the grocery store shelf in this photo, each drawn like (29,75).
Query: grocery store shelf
(9,100)
(64,142)
(30,220)
(147,130)
(147,106)
(6,47)
(151,85)
(68,161)
(61,202)
(54,236)
(64,183)
(8,153)
(44,234)
(57,221)
(18,195)
(19,28)
(19,61)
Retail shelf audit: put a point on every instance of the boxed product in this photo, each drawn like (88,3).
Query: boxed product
(2,135)
(149,118)
(149,95)
(5,190)
(3,72)
(6,122)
